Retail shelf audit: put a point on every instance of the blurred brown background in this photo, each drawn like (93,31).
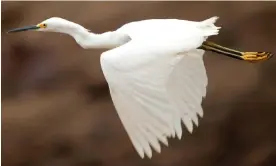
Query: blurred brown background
(56,108)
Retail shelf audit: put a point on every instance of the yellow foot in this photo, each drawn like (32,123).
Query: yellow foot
(256,56)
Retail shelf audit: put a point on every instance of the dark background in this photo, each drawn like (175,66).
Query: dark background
(56,108)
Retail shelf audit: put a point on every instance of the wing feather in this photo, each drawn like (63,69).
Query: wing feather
(154,91)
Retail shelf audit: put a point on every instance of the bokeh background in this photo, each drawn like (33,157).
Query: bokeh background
(57,111)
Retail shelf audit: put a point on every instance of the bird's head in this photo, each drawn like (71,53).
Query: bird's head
(54,24)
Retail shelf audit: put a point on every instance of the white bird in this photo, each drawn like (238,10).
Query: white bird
(155,72)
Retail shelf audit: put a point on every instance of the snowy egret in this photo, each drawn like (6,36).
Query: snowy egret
(155,72)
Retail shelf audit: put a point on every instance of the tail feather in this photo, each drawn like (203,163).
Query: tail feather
(210,21)
(208,26)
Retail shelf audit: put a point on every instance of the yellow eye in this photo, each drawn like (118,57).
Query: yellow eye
(42,25)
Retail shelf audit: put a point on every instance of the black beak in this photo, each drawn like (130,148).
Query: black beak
(33,27)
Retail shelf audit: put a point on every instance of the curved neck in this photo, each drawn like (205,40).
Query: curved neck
(88,39)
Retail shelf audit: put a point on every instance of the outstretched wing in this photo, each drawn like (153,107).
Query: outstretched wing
(153,90)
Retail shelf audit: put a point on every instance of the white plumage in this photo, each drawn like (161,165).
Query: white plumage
(158,79)
(155,73)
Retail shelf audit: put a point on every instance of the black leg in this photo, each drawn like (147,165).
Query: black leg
(246,56)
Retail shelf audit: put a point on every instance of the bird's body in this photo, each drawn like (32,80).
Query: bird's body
(155,73)
(157,79)
(159,29)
